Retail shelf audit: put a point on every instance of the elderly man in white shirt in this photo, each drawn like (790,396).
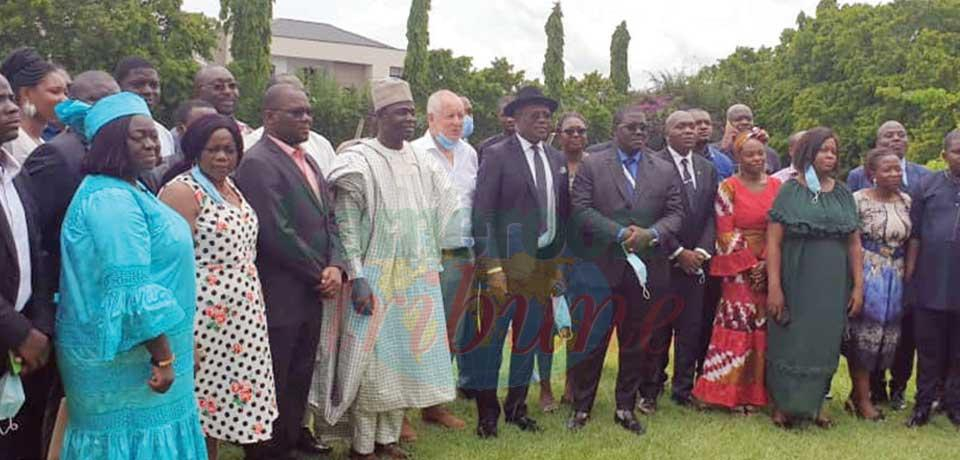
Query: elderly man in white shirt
(444,142)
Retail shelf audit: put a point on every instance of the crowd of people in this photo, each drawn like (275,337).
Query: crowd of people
(164,291)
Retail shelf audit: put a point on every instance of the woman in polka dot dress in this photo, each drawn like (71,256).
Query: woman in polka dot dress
(235,387)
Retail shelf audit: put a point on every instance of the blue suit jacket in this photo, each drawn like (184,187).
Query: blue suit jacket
(857,179)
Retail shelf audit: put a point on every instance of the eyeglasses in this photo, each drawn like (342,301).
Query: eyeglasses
(295,113)
(635,127)
(577,131)
(220,86)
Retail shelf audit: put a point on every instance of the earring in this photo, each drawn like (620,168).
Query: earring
(874,181)
(29,110)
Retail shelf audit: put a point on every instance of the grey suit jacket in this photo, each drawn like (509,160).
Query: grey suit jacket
(699,224)
(602,205)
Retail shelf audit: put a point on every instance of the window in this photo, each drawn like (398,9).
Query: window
(396,72)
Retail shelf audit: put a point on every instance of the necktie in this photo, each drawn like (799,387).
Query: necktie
(688,185)
(541,178)
(630,164)
(301,160)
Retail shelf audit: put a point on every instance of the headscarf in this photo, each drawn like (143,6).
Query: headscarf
(24,68)
(88,119)
(742,139)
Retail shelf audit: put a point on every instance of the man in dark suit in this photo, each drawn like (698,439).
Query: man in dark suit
(54,168)
(507,124)
(893,135)
(624,200)
(26,305)
(518,213)
(689,250)
(298,254)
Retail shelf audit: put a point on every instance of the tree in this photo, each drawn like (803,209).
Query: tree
(619,70)
(336,110)
(248,23)
(416,63)
(84,35)
(553,73)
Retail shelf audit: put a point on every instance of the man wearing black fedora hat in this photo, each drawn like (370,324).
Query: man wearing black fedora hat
(519,209)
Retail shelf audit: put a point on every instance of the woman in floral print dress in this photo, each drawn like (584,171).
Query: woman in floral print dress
(234,379)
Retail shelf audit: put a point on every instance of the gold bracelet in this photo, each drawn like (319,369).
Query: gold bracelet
(163,364)
(494,270)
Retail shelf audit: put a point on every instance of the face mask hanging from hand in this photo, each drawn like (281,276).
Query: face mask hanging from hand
(640,269)
(11,396)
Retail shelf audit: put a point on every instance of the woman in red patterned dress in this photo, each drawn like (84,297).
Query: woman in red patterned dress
(733,370)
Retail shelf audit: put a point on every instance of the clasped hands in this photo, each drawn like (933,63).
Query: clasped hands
(636,238)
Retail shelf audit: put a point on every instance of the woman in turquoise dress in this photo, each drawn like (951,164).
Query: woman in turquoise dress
(814,281)
(124,327)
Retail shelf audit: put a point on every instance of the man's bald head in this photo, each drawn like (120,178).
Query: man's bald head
(740,117)
(676,117)
(893,135)
(93,85)
(286,78)
(681,131)
(287,114)
(216,85)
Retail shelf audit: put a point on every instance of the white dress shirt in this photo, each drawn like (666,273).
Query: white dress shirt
(167,148)
(463,176)
(21,147)
(677,159)
(317,146)
(547,237)
(17,220)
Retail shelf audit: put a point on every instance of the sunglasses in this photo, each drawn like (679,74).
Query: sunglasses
(577,131)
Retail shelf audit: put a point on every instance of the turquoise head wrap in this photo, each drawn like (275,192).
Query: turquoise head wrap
(87,119)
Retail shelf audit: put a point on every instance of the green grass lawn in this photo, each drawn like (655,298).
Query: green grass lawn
(677,433)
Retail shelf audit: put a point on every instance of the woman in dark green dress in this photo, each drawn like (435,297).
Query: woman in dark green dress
(815,276)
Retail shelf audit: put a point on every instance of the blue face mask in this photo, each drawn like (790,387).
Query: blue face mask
(445,142)
(11,395)
(467,127)
(813,182)
(640,269)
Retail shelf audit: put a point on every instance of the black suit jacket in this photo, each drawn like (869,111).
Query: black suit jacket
(298,233)
(506,212)
(39,311)
(699,224)
(54,169)
(602,205)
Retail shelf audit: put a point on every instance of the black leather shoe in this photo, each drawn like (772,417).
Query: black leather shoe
(487,430)
(628,421)
(954,417)
(897,401)
(578,420)
(309,444)
(525,424)
(682,401)
(647,406)
(920,417)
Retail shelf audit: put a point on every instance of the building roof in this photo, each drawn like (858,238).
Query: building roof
(320,32)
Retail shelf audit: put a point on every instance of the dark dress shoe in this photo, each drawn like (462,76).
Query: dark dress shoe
(464,393)
(897,401)
(681,400)
(487,430)
(309,444)
(525,424)
(647,406)
(920,417)
(578,420)
(356,456)
(628,421)
(391,451)
(954,417)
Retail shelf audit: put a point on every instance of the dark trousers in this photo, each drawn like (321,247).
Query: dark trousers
(27,442)
(294,349)
(684,329)
(532,326)
(902,368)
(938,356)
(634,319)
(711,300)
